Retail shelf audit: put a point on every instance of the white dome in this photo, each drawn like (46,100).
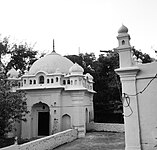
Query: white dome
(12,73)
(90,77)
(50,63)
(76,69)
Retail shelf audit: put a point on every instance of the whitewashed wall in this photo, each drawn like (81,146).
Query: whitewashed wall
(108,127)
(48,142)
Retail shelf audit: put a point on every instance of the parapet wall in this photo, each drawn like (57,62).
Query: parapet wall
(48,142)
(109,127)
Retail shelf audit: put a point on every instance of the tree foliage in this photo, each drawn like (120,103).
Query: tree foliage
(106,82)
(22,56)
(12,106)
(143,56)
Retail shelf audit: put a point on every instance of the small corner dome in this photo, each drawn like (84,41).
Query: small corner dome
(50,64)
(90,77)
(123,29)
(76,69)
(12,73)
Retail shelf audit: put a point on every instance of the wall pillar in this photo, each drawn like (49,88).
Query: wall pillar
(51,120)
(78,113)
(26,126)
(131,112)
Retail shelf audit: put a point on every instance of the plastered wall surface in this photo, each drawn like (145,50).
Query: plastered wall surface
(147,101)
(108,127)
(48,142)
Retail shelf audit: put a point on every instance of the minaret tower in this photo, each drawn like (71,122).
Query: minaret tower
(124,48)
(128,75)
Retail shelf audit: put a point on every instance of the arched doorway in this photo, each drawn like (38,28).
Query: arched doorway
(66,122)
(40,119)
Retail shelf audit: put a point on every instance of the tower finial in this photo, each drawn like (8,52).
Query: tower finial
(53,45)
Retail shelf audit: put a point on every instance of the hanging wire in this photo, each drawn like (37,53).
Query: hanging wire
(127,100)
(126,97)
(144,87)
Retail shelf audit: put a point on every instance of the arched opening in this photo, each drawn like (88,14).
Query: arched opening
(24,81)
(40,119)
(66,122)
(123,42)
(41,80)
(64,82)
(68,82)
(30,81)
(34,81)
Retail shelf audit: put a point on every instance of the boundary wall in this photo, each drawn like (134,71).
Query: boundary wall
(108,127)
(48,142)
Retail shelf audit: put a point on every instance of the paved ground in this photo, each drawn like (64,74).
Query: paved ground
(96,141)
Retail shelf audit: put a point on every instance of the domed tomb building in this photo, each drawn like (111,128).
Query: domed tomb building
(59,97)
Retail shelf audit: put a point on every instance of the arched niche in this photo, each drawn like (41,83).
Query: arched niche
(66,122)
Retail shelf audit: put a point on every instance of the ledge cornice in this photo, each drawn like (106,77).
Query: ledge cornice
(127,71)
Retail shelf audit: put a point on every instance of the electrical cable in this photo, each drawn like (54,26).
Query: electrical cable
(126,97)
(144,87)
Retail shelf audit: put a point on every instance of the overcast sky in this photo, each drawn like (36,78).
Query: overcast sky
(91,25)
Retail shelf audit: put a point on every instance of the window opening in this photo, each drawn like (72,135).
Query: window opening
(68,81)
(123,42)
(30,82)
(24,81)
(34,81)
(64,82)
(54,111)
(41,80)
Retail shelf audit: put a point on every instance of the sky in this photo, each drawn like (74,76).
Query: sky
(79,26)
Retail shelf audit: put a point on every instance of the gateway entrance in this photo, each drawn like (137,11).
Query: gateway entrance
(43,123)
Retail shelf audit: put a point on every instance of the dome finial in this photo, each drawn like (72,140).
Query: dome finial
(53,45)
(123,29)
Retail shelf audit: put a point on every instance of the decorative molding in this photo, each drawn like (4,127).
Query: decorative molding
(127,71)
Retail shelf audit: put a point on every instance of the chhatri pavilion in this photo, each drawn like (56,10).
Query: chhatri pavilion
(59,96)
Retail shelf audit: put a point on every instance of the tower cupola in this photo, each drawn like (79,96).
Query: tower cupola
(124,48)
(123,29)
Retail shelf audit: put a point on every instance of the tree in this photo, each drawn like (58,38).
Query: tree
(107,82)
(12,106)
(22,56)
(143,56)
(84,60)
